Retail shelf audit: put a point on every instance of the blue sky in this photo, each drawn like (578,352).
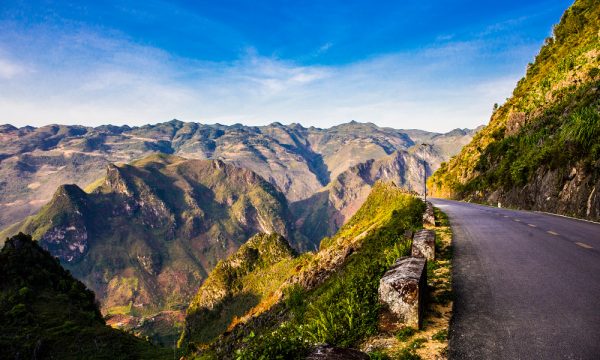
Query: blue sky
(434,65)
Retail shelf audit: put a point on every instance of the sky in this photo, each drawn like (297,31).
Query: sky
(433,65)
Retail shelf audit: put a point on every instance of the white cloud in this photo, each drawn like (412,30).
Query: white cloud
(10,69)
(94,79)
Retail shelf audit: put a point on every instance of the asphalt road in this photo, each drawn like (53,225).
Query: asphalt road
(527,285)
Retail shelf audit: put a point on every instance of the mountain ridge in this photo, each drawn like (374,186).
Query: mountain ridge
(540,149)
(46,313)
(145,237)
(299,161)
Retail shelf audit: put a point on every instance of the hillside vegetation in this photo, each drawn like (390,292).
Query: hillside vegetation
(147,234)
(541,149)
(325,297)
(237,284)
(47,314)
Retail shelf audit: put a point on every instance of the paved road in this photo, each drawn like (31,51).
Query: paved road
(527,285)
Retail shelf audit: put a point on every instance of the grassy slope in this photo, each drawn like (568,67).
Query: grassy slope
(332,295)
(236,285)
(430,342)
(46,313)
(187,214)
(551,123)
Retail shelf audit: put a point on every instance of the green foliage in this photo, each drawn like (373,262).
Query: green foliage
(405,333)
(557,106)
(583,128)
(237,284)
(378,355)
(344,309)
(441,335)
(46,313)
(407,354)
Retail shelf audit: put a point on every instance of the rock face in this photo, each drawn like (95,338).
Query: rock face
(403,289)
(299,161)
(423,244)
(541,148)
(149,233)
(326,352)
(428,216)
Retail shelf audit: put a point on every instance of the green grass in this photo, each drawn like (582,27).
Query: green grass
(559,101)
(405,333)
(344,309)
(441,335)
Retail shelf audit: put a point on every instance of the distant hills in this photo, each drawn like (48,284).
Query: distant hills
(541,149)
(299,161)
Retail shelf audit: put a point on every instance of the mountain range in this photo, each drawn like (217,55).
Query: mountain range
(144,231)
(299,161)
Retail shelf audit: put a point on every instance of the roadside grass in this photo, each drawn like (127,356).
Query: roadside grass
(431,341)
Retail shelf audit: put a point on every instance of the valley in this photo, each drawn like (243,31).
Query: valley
(299,161)
(146,234)
(198,241)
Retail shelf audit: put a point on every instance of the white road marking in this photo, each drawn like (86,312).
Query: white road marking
(531,225)
(552,232)
(517,220)
(586,246)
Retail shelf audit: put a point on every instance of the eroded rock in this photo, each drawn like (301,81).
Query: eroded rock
(403,289)
(423,244)
(428,216)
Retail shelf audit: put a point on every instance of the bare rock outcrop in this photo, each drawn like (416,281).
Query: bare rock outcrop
(423,244)
(428,216)
(403,289)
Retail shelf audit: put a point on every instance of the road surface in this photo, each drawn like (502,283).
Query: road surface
(527,285)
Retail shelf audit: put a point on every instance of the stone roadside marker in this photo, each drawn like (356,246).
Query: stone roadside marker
(428,216)
(423,244)
(403,289)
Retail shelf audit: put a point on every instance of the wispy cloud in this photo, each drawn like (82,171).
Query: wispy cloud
(92,78)
(9,69)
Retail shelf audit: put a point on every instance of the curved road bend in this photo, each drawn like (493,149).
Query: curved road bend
(527,285)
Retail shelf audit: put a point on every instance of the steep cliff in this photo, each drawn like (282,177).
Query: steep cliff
(541,149)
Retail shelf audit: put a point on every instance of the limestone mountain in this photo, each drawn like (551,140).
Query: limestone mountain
(325,212)
(145,236)
(47,314)
(299,161)
(541,149)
